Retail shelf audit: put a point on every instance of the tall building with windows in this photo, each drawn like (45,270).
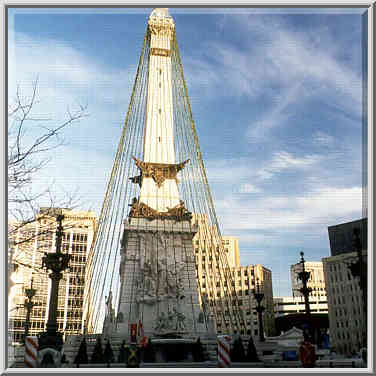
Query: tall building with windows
(345,306)
(231,247)
(239,283)
(289,309)
(346,301)
(245,279)
(285,305)
(244,283)
(28,243)
(316,280)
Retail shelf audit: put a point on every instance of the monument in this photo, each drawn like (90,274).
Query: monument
(157,209)
(157,269)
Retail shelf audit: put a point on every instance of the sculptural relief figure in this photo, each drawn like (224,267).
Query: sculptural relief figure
(170,282)
(146,284)
(171,320)
(180,320)
(174,321)
(161,274)
(109,319)
(109,309)
(162,322)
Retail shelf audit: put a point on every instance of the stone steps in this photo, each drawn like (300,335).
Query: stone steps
(73,343)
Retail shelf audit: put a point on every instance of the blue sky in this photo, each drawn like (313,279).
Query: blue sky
(276,96)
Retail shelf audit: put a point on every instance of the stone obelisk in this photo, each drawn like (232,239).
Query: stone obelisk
(157,269)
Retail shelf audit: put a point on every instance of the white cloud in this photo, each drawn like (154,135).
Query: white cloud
(235,170)
(248,188)
(66,78)
(283,161)
(285,67)
(64,75)
(322,139)
(317,209)
(277,116)
(331,202)
(301,56)
(226,171)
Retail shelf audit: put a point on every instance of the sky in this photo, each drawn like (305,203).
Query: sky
(276,96)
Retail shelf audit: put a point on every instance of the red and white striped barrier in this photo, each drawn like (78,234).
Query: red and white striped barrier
(31,351)
(224,359)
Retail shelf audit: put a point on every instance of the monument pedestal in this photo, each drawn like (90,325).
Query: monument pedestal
(159,289)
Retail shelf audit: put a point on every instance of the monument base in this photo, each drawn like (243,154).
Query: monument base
(160,345)
(159,289)
(174,350)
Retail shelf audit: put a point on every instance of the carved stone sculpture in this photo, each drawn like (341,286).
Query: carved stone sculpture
(141,210)
(162,322)
(180,320)
(173,322)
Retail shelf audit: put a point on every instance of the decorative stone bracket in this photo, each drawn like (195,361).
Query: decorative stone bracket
(158,171)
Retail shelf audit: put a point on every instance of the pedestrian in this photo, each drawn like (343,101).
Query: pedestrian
(307,353)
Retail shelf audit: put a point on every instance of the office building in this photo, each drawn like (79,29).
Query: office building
(231,247)
(346,298)
(28,243)
(285,305)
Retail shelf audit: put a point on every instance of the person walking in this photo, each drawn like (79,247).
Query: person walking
(307,353)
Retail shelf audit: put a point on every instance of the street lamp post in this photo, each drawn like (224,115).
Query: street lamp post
(304,277)
(56,262)
(29,304)
(259,296)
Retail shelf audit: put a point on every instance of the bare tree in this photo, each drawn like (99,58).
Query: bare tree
(30,139)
